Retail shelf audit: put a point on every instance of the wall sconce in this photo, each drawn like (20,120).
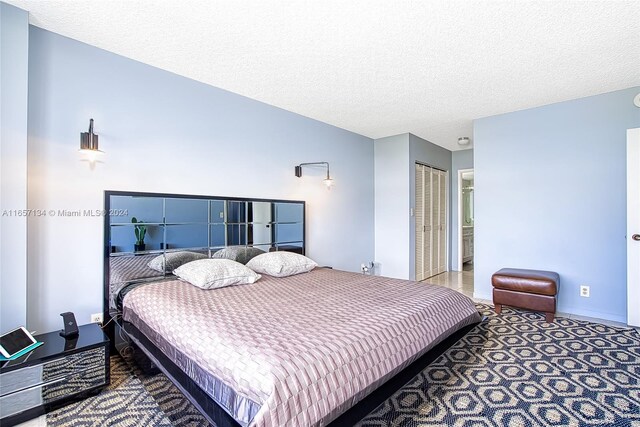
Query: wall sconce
(328,181)
(89,143)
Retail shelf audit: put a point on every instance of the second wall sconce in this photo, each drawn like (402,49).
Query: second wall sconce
(328,181)
(89,143)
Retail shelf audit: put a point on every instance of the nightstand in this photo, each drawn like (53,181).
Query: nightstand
(58,372)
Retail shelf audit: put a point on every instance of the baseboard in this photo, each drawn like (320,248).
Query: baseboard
(481,296)
(595,315)
(571,311)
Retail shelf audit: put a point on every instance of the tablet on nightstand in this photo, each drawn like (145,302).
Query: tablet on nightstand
(14,342)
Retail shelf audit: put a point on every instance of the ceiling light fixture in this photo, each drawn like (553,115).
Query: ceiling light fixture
(464,140)
(89,143)
(327,181)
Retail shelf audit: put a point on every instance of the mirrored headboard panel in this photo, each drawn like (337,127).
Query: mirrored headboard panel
(139,227)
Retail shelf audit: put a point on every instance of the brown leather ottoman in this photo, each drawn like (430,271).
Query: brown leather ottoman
(531,289)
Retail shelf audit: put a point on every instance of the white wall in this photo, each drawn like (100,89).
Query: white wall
(392,202)
(14,46)
(165,133)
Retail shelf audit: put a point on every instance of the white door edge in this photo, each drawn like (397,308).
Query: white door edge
(633,226)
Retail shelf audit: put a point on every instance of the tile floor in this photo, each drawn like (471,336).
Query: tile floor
(461,281)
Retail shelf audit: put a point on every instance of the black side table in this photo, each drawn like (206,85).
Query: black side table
(58,372)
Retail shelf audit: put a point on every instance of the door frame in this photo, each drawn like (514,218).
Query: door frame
(633,226)
(460,214)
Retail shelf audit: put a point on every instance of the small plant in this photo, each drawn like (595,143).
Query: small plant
(140,230)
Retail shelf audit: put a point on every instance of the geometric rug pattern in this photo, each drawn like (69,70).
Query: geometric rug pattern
(172,402)
(511,370)
(517,370)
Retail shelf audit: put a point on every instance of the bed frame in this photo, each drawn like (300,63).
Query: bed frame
(150,358)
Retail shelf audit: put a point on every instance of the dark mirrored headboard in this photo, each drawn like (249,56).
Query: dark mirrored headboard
(139,227)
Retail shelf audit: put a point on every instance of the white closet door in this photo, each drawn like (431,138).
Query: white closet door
(419,217)
(442,222)
(430,219)
(428,222)
(435,210)
(435,218)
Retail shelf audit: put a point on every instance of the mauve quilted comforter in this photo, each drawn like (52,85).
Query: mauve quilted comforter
(300,350)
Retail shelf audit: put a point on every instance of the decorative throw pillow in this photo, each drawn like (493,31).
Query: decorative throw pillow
(242,255)
(215,273)
(172,260)
(281,264)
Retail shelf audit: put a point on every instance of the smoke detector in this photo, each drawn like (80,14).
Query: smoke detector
(464,140)
(636,100)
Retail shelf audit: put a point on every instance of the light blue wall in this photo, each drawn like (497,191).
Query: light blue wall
(165,133)
(550,195)
(462,159)
(14,48)
(425,152)
(392,203)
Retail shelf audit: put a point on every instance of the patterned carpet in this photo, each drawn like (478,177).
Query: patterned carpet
(512,370)
(517,370)
(126,402)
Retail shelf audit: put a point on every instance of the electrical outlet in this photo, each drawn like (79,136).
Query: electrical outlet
(584,291)
(96,318)
(367,268)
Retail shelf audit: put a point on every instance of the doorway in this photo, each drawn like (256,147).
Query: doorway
(465,220)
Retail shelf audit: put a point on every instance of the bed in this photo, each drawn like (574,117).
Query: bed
(126,269)
(297,350)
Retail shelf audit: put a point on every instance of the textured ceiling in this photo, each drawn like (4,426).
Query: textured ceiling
(374,67)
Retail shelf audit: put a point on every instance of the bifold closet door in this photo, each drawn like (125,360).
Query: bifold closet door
(419,216)
(423,222)
(439,222)
(430,217)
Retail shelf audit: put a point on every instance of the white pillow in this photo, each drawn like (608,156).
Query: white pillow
(281,264)
(173,260)
(215,273)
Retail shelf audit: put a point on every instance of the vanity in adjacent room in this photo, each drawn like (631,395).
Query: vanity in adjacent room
(467,244)
(467,217)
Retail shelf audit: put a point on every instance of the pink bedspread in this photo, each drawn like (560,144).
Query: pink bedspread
(296,351)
